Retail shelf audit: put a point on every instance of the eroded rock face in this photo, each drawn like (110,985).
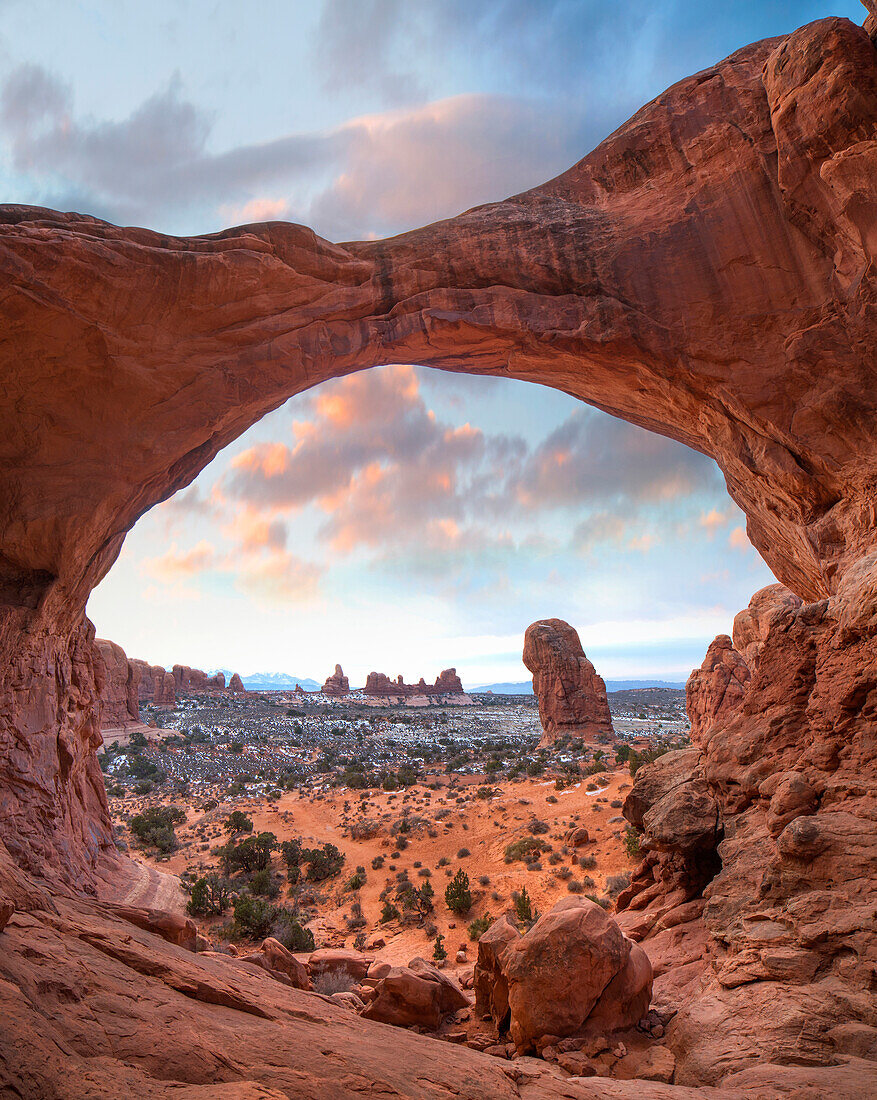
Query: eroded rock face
(337,683)
(777,898)
(118,685)
(446,683)
(755,184)
(572,697)
(236,685)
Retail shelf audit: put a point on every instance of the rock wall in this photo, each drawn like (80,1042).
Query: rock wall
(763,837)
(118,682)
(572,697)
(130,358)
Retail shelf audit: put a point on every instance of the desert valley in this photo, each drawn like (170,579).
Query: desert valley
(217,886)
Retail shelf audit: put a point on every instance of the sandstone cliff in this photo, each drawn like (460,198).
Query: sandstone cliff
(754,184)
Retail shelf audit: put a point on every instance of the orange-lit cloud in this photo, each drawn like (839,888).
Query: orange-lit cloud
(280,576)
(739,540)
(174,565)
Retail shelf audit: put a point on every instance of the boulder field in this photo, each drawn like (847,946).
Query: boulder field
(708,272)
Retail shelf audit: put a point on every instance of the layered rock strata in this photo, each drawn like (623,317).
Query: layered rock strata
(571,695)
(130,358)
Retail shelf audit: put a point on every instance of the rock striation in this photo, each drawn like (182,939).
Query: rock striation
(337,683)
(572,697)
(118,684)
(446,683)
(130,358)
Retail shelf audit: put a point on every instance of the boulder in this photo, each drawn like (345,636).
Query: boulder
(564,968)
(415,996)
(331,960)
(489,981)
(572,697)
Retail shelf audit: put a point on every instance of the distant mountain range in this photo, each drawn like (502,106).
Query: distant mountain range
(272,681)
(526,686)
(282,681)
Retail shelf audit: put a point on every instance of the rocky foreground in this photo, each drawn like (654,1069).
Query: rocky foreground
(708,272)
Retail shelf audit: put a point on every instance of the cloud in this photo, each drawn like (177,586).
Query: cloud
(591,458)
(175,565)
(712,520)
(280,576)
(739,540)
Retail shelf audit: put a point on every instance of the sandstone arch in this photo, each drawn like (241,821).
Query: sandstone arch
(707,272)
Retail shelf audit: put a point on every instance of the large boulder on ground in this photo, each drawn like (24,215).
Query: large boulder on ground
(415,996)
(491,987)
(329,960)
(574,962)
(172,927)
(572,697)
(280,963)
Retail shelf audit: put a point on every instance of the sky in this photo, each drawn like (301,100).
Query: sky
(402,519)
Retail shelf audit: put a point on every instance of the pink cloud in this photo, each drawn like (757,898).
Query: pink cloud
(173,565)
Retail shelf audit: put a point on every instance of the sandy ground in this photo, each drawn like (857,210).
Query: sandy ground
(484,827)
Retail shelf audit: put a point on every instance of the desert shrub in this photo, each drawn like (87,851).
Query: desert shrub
(555,858)
(479,926)
(631,842)
(616,883)
(211,895)
(463,853)
(524,907)
(603,902)
(538,828)
(424,872)
(563,873)
(264,884)
(575,887)
(457,894)
(587,863)
(288,930)
(356,919)
(484,880)
(322,862)
(143,786)
(377,863)
(156,827)
(443,862)
(238,822)
(334,981)
(528,849)
(389,912)
(438,949)
(552,799)
(356,881)
(253,917)
(252,854)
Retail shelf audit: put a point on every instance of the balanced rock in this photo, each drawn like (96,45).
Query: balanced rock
(337,683)
(572,697)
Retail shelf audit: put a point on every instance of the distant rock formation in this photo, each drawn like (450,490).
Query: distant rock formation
(165,695)
(572,697)
(336,684)
(236,685)
(446,683)
(117,681)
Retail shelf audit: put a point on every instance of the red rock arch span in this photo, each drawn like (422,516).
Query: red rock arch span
(707,272)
